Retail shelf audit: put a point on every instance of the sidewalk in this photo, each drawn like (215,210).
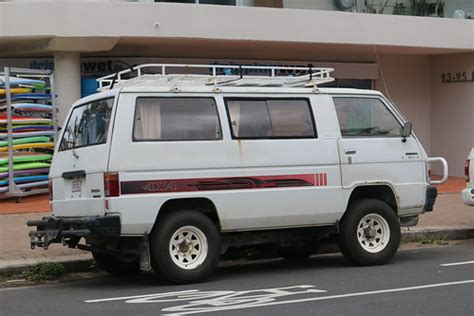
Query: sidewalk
(450,218)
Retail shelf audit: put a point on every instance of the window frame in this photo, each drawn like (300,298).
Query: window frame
(69,118)
(395,115)
(306,99)
(175,140)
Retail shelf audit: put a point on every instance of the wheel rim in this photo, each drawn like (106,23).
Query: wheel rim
(373,233)
(188,247)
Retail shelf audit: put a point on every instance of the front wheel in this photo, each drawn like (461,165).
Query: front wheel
(185,247)
(369,233)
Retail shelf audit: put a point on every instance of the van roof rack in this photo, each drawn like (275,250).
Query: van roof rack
(217,75)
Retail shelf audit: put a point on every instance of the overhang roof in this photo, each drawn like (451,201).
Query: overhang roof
(205,31)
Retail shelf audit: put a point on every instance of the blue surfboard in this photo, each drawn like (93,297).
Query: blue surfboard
(31,96)
(25,179)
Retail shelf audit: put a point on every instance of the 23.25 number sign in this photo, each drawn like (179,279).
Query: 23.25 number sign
(448,77)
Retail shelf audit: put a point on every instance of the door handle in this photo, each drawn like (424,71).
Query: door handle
(350,152)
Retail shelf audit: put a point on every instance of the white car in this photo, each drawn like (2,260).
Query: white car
(171,171)
(468,192)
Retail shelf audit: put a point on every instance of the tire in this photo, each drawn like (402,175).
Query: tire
(185,247)
(369,233)
(116,266)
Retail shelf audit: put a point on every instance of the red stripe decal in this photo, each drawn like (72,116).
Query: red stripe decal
(325,179)
(213,184)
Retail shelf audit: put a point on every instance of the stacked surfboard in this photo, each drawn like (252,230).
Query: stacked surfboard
(32,133)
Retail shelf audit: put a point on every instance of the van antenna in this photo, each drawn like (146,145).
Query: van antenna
(113,81)
(310,66)
(241,72)
(116,74)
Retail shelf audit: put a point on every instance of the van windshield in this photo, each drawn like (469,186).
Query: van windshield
(88,125)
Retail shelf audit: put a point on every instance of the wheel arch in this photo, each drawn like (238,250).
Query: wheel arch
(383,192)
(202,205)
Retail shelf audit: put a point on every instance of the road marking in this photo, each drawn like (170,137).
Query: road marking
(456,263)
(230,296)
(141,296)
(218,301)
(178,310)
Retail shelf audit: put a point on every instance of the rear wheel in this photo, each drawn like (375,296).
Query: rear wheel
(369,233)
(185,247)
(115,265)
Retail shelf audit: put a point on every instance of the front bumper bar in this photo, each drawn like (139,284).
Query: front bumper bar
(69,230)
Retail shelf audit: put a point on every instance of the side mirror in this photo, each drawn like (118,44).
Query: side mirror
(406,130)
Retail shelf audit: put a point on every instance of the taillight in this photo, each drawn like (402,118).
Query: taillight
(466,170)
(111,184)
(50,189)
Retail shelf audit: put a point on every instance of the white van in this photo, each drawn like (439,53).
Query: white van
(169,172)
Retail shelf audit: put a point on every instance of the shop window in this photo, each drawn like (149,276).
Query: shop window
(217,2)
(348,83)
(269,3)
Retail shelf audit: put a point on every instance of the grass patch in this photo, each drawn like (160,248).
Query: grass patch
(45,271)
(427,240)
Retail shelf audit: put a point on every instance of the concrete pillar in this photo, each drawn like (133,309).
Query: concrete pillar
(67,80)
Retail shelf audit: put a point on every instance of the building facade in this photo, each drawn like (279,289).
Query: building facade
(424,64)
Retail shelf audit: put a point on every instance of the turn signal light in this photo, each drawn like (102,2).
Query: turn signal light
(111,184)
(466,170)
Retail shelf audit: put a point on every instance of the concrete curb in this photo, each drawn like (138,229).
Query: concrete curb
(79,263)
(434,233)
(82,263)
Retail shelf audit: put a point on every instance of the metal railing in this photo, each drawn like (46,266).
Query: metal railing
(229,75)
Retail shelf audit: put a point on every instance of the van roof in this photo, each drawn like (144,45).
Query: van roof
(234,90)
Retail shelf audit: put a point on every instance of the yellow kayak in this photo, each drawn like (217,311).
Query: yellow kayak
(27,146)
(16,90)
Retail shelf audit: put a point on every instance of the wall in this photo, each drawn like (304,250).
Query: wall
(452,111)
(407,84)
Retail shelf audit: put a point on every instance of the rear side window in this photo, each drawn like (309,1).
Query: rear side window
(362,117)
(172,119)
(270,118)
(87,125)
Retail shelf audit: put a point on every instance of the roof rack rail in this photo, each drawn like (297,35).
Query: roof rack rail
(226,75)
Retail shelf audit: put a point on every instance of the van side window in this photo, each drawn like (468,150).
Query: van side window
(87,125)
(171,119)
(361,117)
(270,118)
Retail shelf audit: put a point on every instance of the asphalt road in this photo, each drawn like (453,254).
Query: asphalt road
(426,281)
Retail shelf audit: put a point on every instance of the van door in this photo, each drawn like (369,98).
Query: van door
(372,150)
(80,159)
